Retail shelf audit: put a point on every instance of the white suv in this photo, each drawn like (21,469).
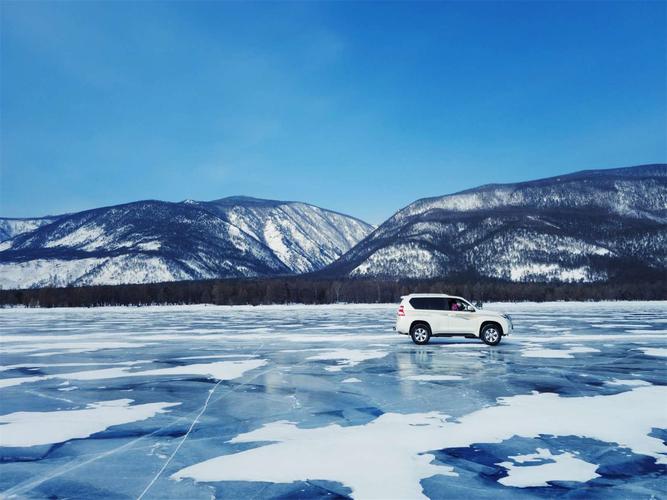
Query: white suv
(426,315)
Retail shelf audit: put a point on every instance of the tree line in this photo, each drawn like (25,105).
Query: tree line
(309,290)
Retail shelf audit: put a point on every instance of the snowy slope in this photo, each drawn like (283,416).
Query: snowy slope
(586,226)
(304,237)
(153,241)
(13,227)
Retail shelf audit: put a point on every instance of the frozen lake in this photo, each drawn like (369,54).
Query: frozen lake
(326,401)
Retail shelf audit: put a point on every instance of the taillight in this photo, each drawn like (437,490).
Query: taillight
(401,311)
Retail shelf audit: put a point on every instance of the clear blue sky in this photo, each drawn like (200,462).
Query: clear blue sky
(357,107)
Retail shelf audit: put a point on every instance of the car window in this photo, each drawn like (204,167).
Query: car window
(457,305)
(460,305)
(431,303)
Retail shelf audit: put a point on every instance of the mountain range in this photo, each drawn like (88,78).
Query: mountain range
(152,241)
(587,226)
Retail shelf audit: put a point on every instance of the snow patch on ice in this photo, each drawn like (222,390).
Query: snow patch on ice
(539,352)
(221,370)
(219,356)
(560,467)
(72,347)
(654,351)
(628,382)
(9,382)
(23,429)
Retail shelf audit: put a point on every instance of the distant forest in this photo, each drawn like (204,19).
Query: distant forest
(309,290)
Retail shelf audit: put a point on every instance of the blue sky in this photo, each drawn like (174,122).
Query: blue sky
(357,107)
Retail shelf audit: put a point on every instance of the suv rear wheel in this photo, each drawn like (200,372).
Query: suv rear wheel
(420,333)
(491,334)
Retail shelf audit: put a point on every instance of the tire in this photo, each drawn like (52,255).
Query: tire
(491,334)
(420,333)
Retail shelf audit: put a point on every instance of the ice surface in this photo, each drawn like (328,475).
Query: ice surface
(538,352)
(315,401)
(361,456)
(347,357)
(433,378)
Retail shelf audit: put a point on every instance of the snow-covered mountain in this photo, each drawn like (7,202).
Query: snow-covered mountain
(152,241)
(13,227)
(304,237)
(585,226)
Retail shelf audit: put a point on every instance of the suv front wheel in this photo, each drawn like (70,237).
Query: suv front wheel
(420,333)
(491,334)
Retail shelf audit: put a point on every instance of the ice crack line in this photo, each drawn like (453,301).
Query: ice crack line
(28,485)
(192,426)
(173,454)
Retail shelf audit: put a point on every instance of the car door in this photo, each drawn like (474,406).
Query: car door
(441,315)
(431,310)
(461,321)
